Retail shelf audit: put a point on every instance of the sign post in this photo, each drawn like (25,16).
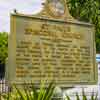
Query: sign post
(51,46)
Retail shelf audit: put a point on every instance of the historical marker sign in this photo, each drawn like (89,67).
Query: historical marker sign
(48,49)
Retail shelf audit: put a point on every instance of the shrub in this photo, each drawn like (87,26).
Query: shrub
(33,94)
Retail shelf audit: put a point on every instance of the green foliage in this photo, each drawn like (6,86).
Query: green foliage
(84,97)
(88,11)
(3,46)
(68,98)
(33,94)
(77,96)
(44,93)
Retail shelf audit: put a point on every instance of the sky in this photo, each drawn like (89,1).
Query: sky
(22,6)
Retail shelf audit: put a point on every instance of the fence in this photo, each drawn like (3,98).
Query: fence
(3,86)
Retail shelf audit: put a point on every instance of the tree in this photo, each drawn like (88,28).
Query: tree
(3,47)
(88,11)
(3,52)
